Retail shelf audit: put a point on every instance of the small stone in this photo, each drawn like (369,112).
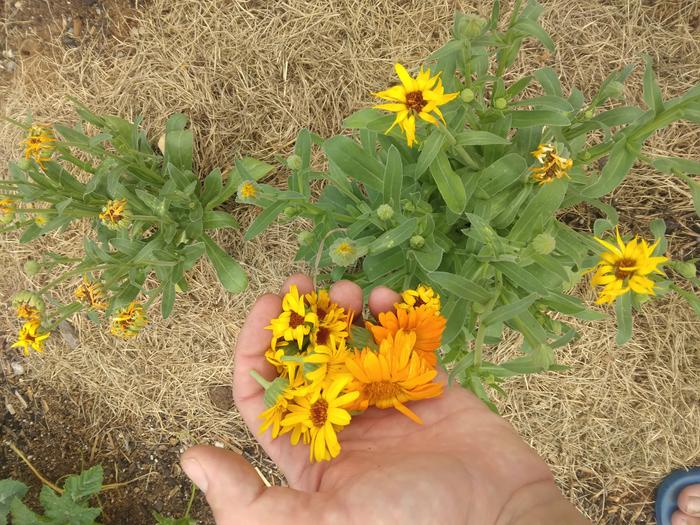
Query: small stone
(18,5)
(17,368)
(219,444)
(69,334)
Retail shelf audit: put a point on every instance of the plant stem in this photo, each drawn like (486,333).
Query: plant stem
(68,311)
(461,152)
(34,470)
(191,501)
(260,379)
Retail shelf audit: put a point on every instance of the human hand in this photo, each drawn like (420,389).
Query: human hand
(464,465)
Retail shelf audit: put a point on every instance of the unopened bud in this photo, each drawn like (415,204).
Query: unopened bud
(409,207)
(385,212)
(686,269)
(467,95)
(304,238)
(614,89)
(294,162)
(500,103)
(417,242)
(544,244)
(291,211)
(31,267)
(470,26)
(588,114)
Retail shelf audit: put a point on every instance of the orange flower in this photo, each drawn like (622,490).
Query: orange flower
(392,376)
(423,323)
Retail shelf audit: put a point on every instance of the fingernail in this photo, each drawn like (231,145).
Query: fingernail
(196,473)
(694,505)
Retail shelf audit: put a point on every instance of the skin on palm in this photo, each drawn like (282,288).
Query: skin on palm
(463,465)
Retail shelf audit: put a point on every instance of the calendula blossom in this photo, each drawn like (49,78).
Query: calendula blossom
(625,267)
(248,191)
(323,414)
(422,297)
(391,377)
(115,214)
(30,337)
(326,363)
(345,251)
(552,166)
(295,321)
(414,98)
(426,326)
(91,293)
(39,144)
(129,321)
(7,210)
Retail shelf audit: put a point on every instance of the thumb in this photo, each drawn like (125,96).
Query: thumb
(235,492)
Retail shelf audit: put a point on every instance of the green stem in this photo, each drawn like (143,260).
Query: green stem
(67,275)
(461,152)
(65,313)
(478,344)
(191,501)
(260,379)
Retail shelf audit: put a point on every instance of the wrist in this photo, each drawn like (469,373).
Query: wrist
(540,503)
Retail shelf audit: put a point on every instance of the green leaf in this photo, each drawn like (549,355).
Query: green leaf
(429,257)
(21,515)
(619,116)
(178,149)
(362,338)
(502,173)
(673,164)
(652,92)
(266,218)
(211,187)
(393,178)
(176,122)
(473,137)
(622,157)
(538,117)
(367,118)
(546,102)
(219,219)
(508,311)
(394,237)
(84,485)
(449,184)
(431,147)
(64,510)
(9,490)
(167,300)
(521,277)
(355,162)
(230,273)
(623,313)
(532,28)
(541,207)
(376,266)
(549,81)
(165,520)
(459,286)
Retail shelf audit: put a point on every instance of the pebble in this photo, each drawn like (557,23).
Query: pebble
(219,444)
(17,368)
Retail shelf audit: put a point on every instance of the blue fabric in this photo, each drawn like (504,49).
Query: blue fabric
(667,493)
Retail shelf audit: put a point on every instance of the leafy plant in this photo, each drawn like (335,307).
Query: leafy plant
(152,217)
(471,205)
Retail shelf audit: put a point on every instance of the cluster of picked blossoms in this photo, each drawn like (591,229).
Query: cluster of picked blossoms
(329,369)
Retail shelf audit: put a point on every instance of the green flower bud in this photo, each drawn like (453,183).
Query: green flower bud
(291,211)
(294,162)
(588,114)
(29,298)
(385,212)
(614,90)
(304,238)
(31,267)
(685,268)
(544,244)
(417,242)
(409,207)
(586,155)
(345,251)
(467,95)
(500,103)
(470,26)
(478,308)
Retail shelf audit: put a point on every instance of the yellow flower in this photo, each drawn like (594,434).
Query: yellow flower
(294,322)
(552,166)
(394,375)
(115,214)
(92,294)
(625,267)
(422,297)
(39,144)
(30,337)
(40,220)
(326,363)
(426,326)
(272,417)
(322,413)
(248,191)
(129,321)
(415,97)
(7,210)
(28,312)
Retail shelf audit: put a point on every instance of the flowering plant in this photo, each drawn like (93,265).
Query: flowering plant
(152,219)
(461,187)
(328,369)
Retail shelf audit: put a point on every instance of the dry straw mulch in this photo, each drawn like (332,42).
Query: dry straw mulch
(250,74)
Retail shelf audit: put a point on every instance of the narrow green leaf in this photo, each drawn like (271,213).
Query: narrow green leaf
(449,184)
(540,208)
(502,173)
(178,149)
(460,286)
(211,187)
(394,237)
(265,218)
(532,28)
(355,162)
(622,157)
(167,299)
(545,102)
(393,178)
(472,137)
(538,117)
(431,147)
(230,273)
(652,92)
(549,81)
(219,219)
(367,118)
(521,277)
(619,116)
(508,311)
(623,313)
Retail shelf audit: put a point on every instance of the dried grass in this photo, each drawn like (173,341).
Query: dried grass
(249,74)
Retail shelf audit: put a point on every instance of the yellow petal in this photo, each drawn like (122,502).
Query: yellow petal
(391,106)
(408,82)
(428,117)
(395,93)
(409,126)
(609,246)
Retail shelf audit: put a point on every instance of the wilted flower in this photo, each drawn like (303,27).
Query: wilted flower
(129,321)
(91,293)
(30,337)
(39,144)
(115,214)
(345,251)
(7,210)
(552,166)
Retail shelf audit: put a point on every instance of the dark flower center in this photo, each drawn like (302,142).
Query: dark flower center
(381,390)
(295,320)
(624,263)
(414,101)
(323,336)
(319,412)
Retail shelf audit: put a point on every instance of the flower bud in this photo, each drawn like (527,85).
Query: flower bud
(470,26)
(588,114)
(686,269)
(304,238)
(467,95)
(409,207)
(385,212)
(31,267)
(32,299)
(294,162)
(544,244)
(500,103)
(417,242)
(614,90)
(345,252)
(291,211)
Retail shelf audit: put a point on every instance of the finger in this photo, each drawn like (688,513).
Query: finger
(689,500)
(382,299)
(348,295)
(679,518)
(252,342)
(236,493)
(303,283)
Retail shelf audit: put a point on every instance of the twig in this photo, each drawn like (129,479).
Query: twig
(33,468)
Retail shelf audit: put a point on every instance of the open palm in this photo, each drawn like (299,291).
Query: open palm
(464,465)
